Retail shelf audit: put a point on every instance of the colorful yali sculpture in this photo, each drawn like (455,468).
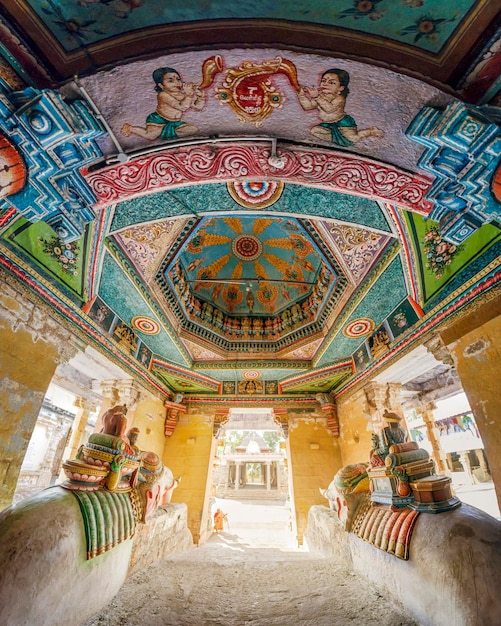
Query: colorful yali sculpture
(116,484)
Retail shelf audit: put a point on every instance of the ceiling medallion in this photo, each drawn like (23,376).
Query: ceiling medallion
(246,247)
(255,194)
(251,375)
(145,325)
(359,328)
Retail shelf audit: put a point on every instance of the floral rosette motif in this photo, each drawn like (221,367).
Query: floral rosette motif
(66,254)
(439,253)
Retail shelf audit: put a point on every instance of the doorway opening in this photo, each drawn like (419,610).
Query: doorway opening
(251,480)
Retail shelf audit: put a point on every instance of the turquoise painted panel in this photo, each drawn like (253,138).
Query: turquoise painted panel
(119,294)
(237,373)
(425,24)
(208,198)
(377,304)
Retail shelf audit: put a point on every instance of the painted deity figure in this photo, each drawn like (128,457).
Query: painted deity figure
(392,433)
(173,98)
(329,99)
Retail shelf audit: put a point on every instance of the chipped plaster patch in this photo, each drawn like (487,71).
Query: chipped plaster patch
(477,349)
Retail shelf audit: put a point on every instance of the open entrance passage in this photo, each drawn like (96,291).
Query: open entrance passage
(251,482)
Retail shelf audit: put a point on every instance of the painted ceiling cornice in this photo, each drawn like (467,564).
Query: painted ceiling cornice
(428,51)
(230,160)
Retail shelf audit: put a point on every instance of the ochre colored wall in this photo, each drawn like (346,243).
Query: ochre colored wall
(355,429)
(189,454)
(30,346)
(149,417)
(477,356)
(310,468)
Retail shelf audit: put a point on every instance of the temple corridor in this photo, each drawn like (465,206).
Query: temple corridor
(250,573)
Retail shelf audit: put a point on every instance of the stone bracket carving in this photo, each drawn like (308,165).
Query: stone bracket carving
(330,410)
(281,418)
(222,416)
(173,409)
(437,347)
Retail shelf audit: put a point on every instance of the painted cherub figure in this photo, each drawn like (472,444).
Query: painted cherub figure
(173,98)
(329,99)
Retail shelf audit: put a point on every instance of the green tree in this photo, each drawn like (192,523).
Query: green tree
(272,438)
(234,438)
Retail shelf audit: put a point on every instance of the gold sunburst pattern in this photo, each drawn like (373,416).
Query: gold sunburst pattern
(261,224)
(234,223)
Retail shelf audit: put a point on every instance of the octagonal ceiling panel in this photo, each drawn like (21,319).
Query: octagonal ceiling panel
(250,266)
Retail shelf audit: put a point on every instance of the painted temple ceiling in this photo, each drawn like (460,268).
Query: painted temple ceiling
(251,221)
(429,37)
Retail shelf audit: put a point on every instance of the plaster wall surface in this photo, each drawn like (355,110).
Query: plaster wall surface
(314,458)
(31,346)
(188,453)
(378,97)
(149,417)
(477,356)
(355,429)
(452,572)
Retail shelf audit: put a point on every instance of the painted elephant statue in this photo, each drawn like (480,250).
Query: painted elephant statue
(65,552)
(448,564)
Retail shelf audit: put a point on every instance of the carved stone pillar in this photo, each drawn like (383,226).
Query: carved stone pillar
(173,409)
(124,391)
(82,417)
(109,392)
(483,464)
(237,475)
(438,455)
(381,397)
(465,462)
(128,393)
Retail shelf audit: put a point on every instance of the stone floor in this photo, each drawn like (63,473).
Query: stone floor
(252,573)
(482,495)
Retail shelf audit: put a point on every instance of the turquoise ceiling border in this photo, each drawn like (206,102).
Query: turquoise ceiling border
(117,291)
(295,199)
(236,374)
(377,304)
(76,23)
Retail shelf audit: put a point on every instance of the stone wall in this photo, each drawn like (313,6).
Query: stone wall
(166,533)
(452,573)
(32,344)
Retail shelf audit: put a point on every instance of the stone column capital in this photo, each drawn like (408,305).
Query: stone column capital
(129,393)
